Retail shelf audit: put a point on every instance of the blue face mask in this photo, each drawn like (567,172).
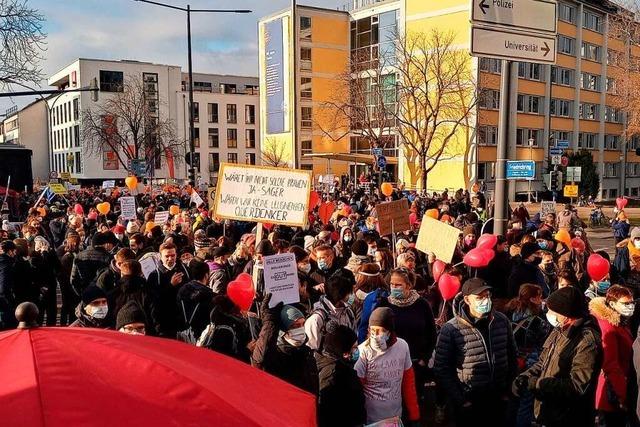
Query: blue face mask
(603,286)
(322,265)
(351,299)
(397,293)
(355,355)
(543,245)
(483,306)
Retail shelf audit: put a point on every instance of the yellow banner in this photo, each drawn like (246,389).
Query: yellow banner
(570,191)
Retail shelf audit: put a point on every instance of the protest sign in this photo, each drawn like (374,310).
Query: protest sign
(393,217)
(547,207)
(109,184)
(437,237)
(281,278)
(211,194)
(65,176)
(161,217)
(73,187)
(149,263)
(195,198)
(128,207)
(263,194)
(58,188)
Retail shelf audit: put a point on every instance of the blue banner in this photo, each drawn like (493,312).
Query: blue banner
(521,169)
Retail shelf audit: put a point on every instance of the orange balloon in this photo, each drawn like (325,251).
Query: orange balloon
(103,207)
(432,213)
(42,211)
(386,188)
(132,182)
(174,209)
(563,236)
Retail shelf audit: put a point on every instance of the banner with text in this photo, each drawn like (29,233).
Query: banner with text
(281,279)
(128,207)
(437,237)
(393,217)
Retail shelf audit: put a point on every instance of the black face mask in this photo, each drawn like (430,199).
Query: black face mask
(537,260)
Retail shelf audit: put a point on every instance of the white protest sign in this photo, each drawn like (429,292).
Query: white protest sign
(128,207)
(195,198)
(547,207)
(73,187)
(161,217)
(281,279)
(149,263)
(109,184)
(263,194)
(437,237)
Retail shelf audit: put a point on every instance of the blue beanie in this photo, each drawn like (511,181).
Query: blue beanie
(288,315)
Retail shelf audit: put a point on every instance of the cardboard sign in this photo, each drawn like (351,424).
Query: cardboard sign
(73,187)
(73,181)
(393,217)
(437,237)
(211,195)
(281,279)
(263,194)
(547,207)
(571,191)
(149,263)
(65,176)
(58,188)
(195,198)
(128,207)
(109,184)
(161,217)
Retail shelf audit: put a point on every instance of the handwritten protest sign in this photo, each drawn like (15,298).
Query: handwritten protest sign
(109,183)
(393,217)
(547,207)
(281,278)
(263,194)
(211,194)
(58,188)
(437,237)
(128,207)
(161,217)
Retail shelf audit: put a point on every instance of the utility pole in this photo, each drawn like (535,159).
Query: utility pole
(294,109)
(501,202)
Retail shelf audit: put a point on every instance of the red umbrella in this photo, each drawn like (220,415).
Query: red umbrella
(77,376)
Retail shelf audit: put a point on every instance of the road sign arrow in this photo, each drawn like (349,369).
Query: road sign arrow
(545,49)
(484,6)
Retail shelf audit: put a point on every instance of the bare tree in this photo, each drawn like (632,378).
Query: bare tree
(22,43)
(128,125)
(273,154)
(436,97)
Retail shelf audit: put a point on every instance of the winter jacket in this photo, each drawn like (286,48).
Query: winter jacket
(524,272)
(135,288)
(567,219)
(45,267)
(341,398)
(85,321)
(622,261)
(108,277)
(324,312)
(159,282)
(58,230)
(26,289)
(564,379)
(86,266)
(617,344)
(474,356)
(620,229)
(497,274)
(7,297)
(219,278)
(355,262)
(194,294)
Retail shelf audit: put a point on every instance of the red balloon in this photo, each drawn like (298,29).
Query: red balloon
(326,211)
(487,241)
(241,293)
(314,199)
(438,269)
(245,278)
(413,218)
(268,226)
(476,258)
(621,202)
(488,254)
(449,286)
(578,244)
(598,267)
(78,209)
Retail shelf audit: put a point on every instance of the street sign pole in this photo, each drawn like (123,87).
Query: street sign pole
(501,202)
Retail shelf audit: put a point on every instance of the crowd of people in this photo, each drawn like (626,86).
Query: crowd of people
(530,338)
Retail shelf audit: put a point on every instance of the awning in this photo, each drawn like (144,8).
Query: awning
(366,159)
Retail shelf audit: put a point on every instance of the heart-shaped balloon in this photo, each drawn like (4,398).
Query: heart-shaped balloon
(314,199)
(325,212)
(621,202)
(432,213)
(131,182)
(241,293)
(438,269)
(78,209)
(487,241)
(449,286)
(245,278)
(488,254)
(598,267)
(103,207)
(578,244)
(563,236)
(476,258)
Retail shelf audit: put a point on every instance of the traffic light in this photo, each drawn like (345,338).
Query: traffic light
(196,158)
(553,185)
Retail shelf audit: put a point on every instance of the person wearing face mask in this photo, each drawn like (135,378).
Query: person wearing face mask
(627,259)
(93,310)
(326,264)
(280,348)
(564,378)
(131,319)
(548,268)
(343,247)
(613,313)
(385,369)
(340,398)
(526,270)
(598,288)
(309,290)
(475,359)
(468,238)
(359,256)
(220,276)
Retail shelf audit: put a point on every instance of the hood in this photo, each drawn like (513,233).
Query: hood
(600,310)
(130,284)
(343,230)
(323,360)
(197,292)
(87,320)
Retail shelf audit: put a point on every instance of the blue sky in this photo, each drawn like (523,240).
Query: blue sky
(126,29)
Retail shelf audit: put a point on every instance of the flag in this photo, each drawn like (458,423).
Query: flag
(49,194)
(195,198)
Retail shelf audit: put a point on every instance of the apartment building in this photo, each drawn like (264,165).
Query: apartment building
(226,121)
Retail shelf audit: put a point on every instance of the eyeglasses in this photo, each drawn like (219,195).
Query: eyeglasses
(131,329)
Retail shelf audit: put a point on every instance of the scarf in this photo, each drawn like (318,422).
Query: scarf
(634,254)
(405,302)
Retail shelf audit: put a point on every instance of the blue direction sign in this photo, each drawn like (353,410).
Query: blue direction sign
(562,144)
(382,162)
(521,169)
(377,151)
(555,151)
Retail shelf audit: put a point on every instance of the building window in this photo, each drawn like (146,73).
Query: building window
(612,115)
(305,58)
(589,111)
(306,117)
(232,138)
(611,170)
(196,111)
(560,135)
(203,86)
(591,21)
(305,28)
(250,158)
(232,113)
(590,81)
(487,135)
(566,45)
(305,88)
(250,138)
(612,142)
(562,76)
(76,135)
(232,157)
(196,137)
(486,171)
(587,140)
(76,108)
(567,13)
(111,81)
(228,88)
(633,143)
(250,114)
(214,162)
(524,135)
(491,65)
(78,161)
(529,104)
(529,71)
(561,108)
(306,146)
(214,138)
(591,52)
(212,112)
(490,99)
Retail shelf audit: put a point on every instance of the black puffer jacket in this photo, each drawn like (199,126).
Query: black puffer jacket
(86,266)
(341,399)
(474,356)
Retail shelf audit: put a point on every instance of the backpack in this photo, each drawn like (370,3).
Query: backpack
(328,322)
(207,337)
(187,335)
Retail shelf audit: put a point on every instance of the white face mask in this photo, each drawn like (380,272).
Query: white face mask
(305,268)
(100,312)
(553,320)
(636,243)
(296,337)
(379,342)
(625,310)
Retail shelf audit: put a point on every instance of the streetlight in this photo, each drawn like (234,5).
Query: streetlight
(531,142)
(188,10)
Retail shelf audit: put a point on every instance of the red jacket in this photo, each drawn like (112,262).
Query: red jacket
(617,355)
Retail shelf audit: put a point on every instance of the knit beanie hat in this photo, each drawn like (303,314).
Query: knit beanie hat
(567,301)
(635,233)
(201,242)
(469,229)
(308,243)
(288,315)
(132,227)
(360,247)
(382,316)
(130,313)
(92,293)
(339,340)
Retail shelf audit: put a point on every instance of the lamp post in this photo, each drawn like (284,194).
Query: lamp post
(189,11)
